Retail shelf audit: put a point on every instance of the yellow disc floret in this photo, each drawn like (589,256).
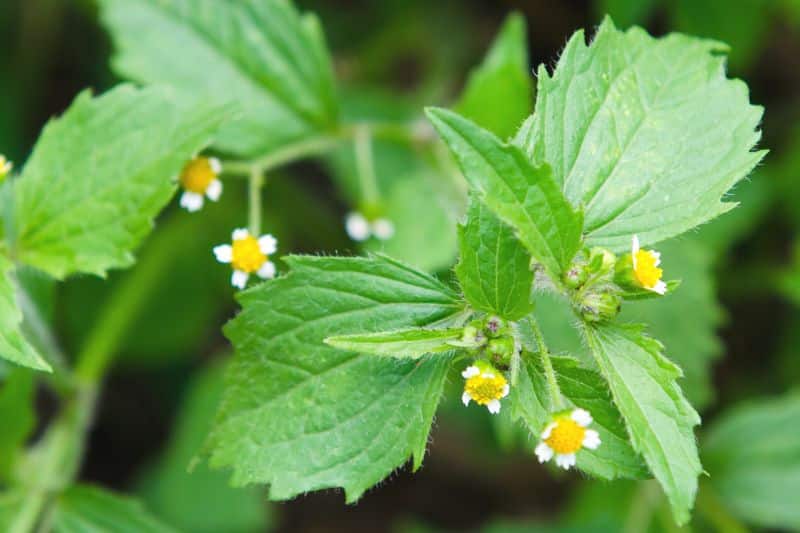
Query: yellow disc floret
(566,436)
(485,389)
(645,269)
(197,175)
(247,255)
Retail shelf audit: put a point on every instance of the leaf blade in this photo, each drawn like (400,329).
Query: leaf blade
(100,173)
(410,343)
(659,419)
(301,415)
(13,345)
(523,196)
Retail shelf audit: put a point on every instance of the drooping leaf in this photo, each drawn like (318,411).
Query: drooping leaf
(584,388)
(659,419)
(13,345)
(84,508)
(645,134)
(261,54)
(521,195)
(175,493)
(301,415)
(753,458)
(101,172)
(18,416)
(410,343)
(494,268)
(504,76)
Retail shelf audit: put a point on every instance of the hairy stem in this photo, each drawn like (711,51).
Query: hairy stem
(556,398)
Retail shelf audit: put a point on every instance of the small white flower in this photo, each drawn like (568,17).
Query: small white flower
(484,384)
(383,229)
(564,436)
(359,228)
(645,268)
(200,177)
(248,255)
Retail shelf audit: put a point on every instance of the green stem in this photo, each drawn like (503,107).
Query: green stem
(712,509)
(644,504)
(556,397)
(365,166)
(286,154)
(254,204)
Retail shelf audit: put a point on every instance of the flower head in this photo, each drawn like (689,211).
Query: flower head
(565,435)
(484,384)
(645,268)
(5,167)
(359,228)
(200,177)
(248,255)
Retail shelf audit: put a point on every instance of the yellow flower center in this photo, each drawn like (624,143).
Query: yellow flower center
(247,255)
(483,390)
(646,271)
(566,437)
(197,175)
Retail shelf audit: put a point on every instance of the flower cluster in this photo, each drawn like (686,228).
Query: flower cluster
(247,255)
(565,435)
(359,228)
(199,178)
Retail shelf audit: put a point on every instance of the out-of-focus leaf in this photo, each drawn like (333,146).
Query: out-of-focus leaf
(499,93)
(494,269)
(742,24)
(646,140)
(100,173)
(13,345)
(17,415)
(300,415)
(626,12)
(199,500)
(84,508)
(261,54)
(753,457)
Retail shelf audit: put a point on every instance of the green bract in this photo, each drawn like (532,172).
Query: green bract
(262,55)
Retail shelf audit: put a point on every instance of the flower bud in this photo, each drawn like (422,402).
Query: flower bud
(501,348)
(600,306)
(495,326)
(576,275)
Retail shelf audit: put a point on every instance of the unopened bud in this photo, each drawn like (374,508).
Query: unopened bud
(576,275)
(600,306)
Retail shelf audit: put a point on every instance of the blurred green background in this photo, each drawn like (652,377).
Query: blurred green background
(734,325)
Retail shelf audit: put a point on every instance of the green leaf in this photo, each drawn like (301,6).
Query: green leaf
(85,508)
(301,415)
(13,345)
(494,268)
(658,417)
(645,134)
(687,319)
(99,174)
(584,388)
(18,416)
(753,458)
(410,343)
(520,194)
(176,495)
(504,76)
(260,54)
